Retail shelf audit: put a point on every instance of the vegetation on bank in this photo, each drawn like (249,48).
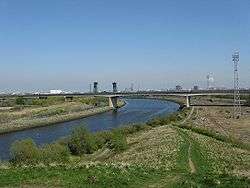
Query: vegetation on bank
(154,157)
(246,98)
(80,142)
(52,100)
(25,152)
(154,154)
(33,112)
(217,136)
(98,175)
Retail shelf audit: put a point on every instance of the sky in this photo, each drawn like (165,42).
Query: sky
(156,44)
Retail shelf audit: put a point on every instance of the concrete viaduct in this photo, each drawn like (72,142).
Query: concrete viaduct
(114,98)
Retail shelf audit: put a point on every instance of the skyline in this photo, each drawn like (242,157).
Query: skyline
(69,44)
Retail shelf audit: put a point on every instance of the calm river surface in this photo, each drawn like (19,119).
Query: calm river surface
(135,111)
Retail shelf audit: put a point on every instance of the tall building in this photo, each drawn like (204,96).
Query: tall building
(95,90)
(114,87)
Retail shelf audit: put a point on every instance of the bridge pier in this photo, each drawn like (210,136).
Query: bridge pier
(113,102)
(188,101)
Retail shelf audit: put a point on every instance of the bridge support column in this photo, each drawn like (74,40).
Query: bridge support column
(188,101)
(113,102)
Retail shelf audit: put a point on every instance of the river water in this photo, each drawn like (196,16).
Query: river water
(135,111)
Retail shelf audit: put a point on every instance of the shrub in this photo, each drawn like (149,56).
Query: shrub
(20,101)
(118,141)
(95,101)
(24,152)
(81,142)
(248,100)
(133,128)
(54,153)
(101,138)
(164,120)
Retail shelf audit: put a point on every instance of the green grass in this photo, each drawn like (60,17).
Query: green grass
(182,159)
(197,154)
(102,176)
(93,176)
(211,181)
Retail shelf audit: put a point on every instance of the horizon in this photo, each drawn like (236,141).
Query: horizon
(68,45)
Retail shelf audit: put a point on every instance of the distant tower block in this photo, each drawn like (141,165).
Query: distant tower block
(114,87)
(95,90)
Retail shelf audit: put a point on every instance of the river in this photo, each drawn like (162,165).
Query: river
(135,111)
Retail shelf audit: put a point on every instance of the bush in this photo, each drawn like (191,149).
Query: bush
(48,101)
(164,120)
(81,142)
(133,128)
(20,101)
(54,153)
(101,138)
(118,141)
(24,152)
(94,101)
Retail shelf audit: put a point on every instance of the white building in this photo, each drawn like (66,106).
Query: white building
(54,91)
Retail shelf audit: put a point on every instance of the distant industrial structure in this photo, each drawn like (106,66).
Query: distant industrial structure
(114,84)
(237,105)
(95,89)
(196,88)
(178,88)
(210,80)
(132,87)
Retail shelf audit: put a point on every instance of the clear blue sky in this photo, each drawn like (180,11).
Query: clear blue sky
(66,44)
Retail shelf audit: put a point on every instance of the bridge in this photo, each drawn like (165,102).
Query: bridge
(113,97)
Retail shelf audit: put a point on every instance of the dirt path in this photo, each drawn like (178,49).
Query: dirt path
(190,162)
(188,117)
(188,159)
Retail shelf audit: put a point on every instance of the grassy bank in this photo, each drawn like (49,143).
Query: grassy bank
(27,123)
(157,156)
(215,135)
(164,152)
(30,113)
(112,176)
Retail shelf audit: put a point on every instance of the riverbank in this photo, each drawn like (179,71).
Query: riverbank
(158,154)
(27,117)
